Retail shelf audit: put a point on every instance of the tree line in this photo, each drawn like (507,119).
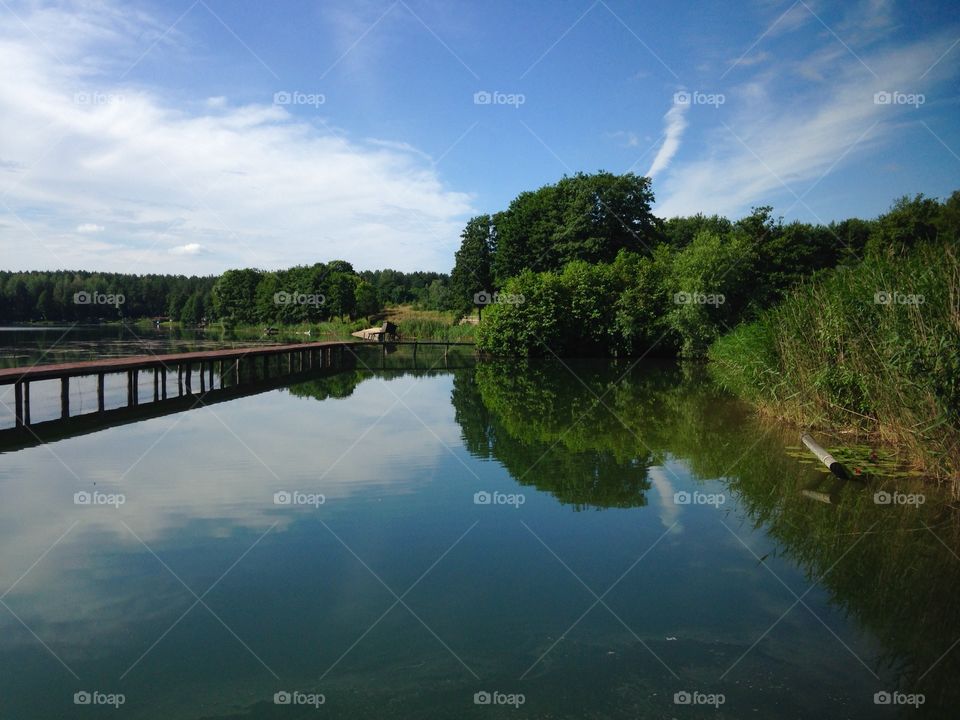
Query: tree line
(300,294)
(77,296)
(584,267)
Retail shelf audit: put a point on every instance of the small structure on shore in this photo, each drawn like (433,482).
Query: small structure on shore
(387,332)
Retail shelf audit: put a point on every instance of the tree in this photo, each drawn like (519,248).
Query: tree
(367,301)
(192,311)
(583,217)
(908,222)
(472,272)
(233,296)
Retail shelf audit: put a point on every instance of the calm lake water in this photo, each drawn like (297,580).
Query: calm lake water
(589,540)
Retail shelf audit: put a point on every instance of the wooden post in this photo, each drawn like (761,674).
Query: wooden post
(64,398)
(26,403)
(100,401)
(188,371)
(156,384)
(179,379)
(163,383)
(826,458)
(18,404)
(210,373)
(220,372)
(203,378)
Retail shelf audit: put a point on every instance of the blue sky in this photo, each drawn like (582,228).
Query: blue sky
(196,136)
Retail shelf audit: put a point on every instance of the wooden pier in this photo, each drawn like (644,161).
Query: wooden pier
(238,364)
(229,369)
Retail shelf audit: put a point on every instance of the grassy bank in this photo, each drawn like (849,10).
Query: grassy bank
(873,348)
(427,324)
(412,323)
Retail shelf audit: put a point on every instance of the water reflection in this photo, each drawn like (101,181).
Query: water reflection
(899,581)
(301,597)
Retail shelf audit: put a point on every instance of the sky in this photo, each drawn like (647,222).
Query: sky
(201,135)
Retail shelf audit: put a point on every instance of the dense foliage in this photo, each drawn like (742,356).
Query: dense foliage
(246,296)
(875,346)
(77,296)
(702,277)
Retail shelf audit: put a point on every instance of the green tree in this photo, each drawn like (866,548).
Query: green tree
(472,271)
(233,296)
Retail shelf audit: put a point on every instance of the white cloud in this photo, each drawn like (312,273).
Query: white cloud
(675,123)
(89,228)
(188,249)
(251,184)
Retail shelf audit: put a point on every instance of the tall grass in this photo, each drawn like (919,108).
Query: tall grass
(412,324)
(874,348)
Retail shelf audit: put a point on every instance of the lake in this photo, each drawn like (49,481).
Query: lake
(476,539)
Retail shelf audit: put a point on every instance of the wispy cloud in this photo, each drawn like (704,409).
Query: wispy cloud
(798,118)
(675,122)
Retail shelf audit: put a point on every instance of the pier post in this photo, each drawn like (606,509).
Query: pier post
(163,383)
(203,380)
(220,372)
(100,402)
(187,379)
(210,373)
(179,379)
(64,398)
(26,402)
(156,384)
(18,403)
